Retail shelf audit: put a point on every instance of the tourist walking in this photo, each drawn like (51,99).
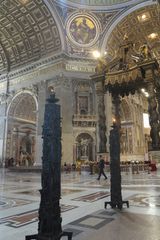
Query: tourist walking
(101,166)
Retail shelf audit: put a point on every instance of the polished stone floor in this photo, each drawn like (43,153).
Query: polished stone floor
(82,206)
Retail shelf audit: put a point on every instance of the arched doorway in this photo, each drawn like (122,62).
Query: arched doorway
(85,147)
(21,129)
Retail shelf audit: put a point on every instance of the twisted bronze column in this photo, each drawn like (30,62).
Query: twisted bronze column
(102,124)
(153,116)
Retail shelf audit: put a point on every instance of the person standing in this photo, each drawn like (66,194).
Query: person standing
(101,166)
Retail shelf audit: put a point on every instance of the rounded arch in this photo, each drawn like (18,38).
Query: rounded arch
(92,134)
(21,129)
(120,17)
(17,98)
(84,135)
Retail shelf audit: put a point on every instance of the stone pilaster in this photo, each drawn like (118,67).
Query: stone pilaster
(40,118)
(101,122)
(66,102)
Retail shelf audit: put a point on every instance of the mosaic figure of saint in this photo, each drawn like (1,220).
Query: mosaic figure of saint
(83,30)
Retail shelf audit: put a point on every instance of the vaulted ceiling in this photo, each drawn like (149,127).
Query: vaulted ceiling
(28,32)
(141,26)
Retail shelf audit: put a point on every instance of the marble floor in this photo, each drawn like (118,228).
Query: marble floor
(82,206)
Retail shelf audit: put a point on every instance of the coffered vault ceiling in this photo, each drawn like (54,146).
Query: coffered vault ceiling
(141,26)
(27,32)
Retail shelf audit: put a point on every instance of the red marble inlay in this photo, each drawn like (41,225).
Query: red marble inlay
(92,197)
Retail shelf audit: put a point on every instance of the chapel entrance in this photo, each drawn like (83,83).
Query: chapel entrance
(21,130)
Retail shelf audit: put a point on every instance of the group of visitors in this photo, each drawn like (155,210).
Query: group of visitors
(100,166)
(68,167)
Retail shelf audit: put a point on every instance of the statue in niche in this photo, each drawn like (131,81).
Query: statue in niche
(84,147)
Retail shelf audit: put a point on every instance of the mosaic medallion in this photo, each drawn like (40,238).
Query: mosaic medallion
(83,30)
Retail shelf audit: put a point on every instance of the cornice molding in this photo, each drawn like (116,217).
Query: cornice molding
(46,69)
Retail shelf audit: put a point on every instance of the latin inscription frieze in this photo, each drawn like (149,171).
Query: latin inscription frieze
(79,68)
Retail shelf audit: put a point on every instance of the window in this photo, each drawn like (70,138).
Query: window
(146,120)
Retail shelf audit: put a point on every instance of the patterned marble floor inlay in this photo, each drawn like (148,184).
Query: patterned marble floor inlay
(91,221)
(25,218)
(82,206)
(74,231)
(107,213)
(92,197)
(36,192)
(6,203)
(139,188)
(21,219)
(144,200)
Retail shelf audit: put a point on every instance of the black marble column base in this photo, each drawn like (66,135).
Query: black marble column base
(117,205)
(38,237)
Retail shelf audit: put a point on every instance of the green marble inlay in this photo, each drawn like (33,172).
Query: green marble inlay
(98,2)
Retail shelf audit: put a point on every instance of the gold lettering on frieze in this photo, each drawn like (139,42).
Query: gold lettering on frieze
(79,68)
